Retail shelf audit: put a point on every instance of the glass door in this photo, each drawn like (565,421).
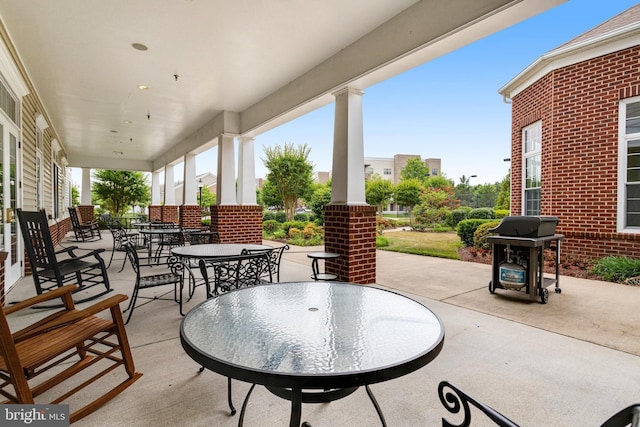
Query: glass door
(9,240)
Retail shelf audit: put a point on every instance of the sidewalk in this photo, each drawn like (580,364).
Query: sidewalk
(573,361)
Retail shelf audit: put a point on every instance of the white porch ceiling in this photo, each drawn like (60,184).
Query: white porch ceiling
(243,66)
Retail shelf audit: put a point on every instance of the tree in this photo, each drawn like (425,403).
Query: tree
(414,169)
(485,195)
(464,193)
(75,196)
(269,195)
(291,173)
(119,190)
(208,198)
(320,196)
(504,197)
(378,192)
(407,194)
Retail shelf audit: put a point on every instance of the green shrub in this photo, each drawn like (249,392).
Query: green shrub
(481,213)
(481,233)
(281,216)
(301,216)
(205,222)
(270,226)
(467,227)
(381,242)
(286,226)
(419,227)
(268,216)
(617,269)
(279,234)
(438,228)
(458,215)
(383,224)
(501,213)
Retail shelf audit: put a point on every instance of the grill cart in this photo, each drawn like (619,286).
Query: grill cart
(518,255)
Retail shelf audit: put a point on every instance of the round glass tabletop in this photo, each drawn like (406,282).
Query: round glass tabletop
(312,334)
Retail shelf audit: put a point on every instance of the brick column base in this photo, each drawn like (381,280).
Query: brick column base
(170,213)
(237,224)
(86,213)
(155,213)
(190,216)
(351,232)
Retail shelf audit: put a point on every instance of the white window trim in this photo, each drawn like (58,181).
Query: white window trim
(622,165)
(523,202)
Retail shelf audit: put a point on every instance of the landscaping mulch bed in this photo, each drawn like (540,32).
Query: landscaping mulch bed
(571,268)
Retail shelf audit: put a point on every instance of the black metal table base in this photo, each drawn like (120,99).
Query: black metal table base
(297,397)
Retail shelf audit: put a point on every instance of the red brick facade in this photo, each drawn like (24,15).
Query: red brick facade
(164,213)
(578,106)
(237,224)
(190,216)
(3,257)
(351,232)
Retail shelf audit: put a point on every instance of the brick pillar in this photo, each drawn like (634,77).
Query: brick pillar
(86,213)
(351,232)
(155,213)
(3,257)
(169,213)
(190,216)
(237,224)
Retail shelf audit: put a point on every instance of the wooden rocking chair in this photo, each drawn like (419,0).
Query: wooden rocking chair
(49,345)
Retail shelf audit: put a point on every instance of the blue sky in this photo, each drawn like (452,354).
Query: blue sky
(449,108)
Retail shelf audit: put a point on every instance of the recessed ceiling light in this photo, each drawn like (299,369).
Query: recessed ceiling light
(143,87)
(118,153)
(128,122)
(139,46)
(113,131)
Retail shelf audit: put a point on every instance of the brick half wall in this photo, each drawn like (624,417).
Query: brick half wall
(351,232)
(237,224)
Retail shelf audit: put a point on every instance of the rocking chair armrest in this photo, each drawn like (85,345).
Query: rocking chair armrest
(64,318)
(93,252)
(69,249)
(49,295)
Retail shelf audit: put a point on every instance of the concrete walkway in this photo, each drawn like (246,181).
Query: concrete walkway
(573,361)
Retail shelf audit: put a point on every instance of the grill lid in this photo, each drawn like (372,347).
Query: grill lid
(527,226)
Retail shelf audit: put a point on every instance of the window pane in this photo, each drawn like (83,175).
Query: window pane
(633,117)
(633,205)
(532,202)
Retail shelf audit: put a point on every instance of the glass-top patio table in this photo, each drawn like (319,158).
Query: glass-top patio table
(312,342)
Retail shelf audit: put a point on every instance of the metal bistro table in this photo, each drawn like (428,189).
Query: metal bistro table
(150,233)
(214,250)
(312,342)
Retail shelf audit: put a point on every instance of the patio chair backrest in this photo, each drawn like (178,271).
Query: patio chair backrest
(271,270)
(233,272)
(75,217)
(37,239)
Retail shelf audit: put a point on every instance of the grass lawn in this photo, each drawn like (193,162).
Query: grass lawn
(443,245)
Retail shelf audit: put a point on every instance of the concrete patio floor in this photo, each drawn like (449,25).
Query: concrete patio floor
(574,361)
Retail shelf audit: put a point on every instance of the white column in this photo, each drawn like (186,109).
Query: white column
(169,186)
(226,179)
(85,191)
(155,188)
(347,180)
(246,172)
(190,186)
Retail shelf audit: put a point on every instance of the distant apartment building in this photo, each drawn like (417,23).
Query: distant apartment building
(390,168)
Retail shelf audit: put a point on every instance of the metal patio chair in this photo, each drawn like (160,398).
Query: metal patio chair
(271,269)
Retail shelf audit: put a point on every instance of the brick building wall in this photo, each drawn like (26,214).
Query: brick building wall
(578,106)
(155,213)
(237,224)
(170,213)
(351,232)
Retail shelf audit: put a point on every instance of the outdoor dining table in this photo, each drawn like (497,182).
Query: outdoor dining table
(214,250)
(150,233)
(312,342)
